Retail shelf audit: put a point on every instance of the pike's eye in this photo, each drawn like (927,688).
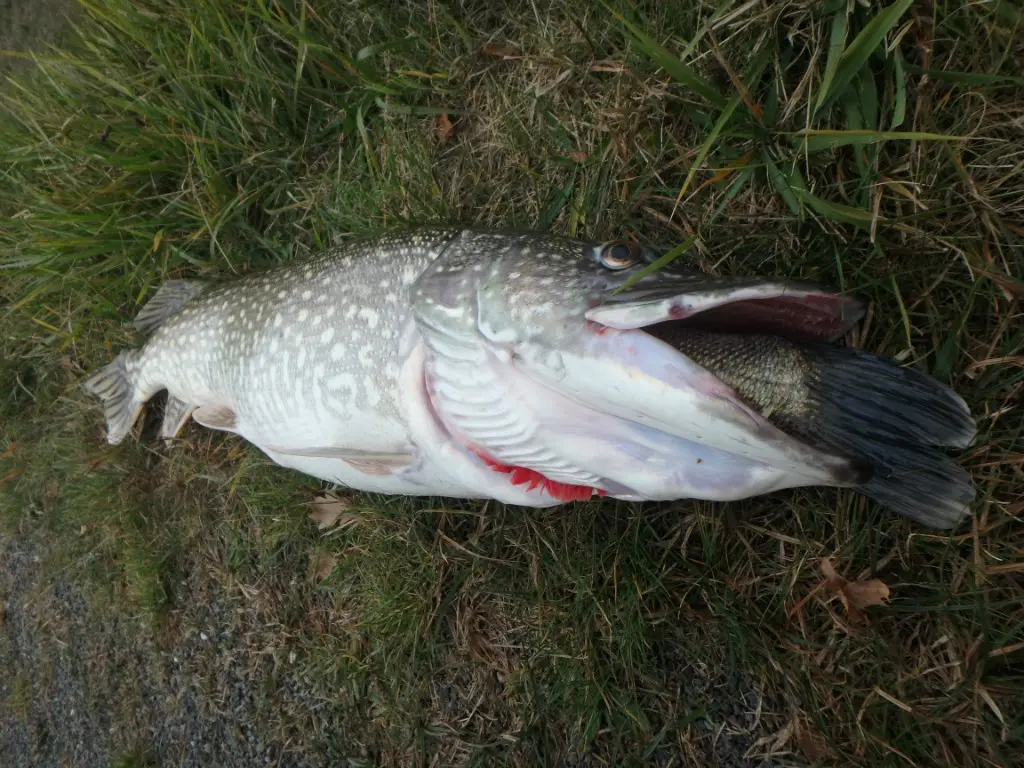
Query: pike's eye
(620,254)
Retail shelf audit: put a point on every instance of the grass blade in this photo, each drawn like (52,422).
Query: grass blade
(837,37)
(672,64)
(946,356)
(705,148)
(846,214)
(1007,11)
(734,189)
(781,184)
(364,136)
(819,139)
(737,164)
(556,205)
(967,78)
(741,95)
(868,93)
(659,263)
(858,52)
(899,108)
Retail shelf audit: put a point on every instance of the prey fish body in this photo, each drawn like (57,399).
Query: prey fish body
(536,369)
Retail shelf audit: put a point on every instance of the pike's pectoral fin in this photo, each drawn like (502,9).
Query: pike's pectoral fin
(384,465)
(216,417)
(167,301)
(377,463)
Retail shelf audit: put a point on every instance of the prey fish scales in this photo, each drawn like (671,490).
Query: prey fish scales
(535,370)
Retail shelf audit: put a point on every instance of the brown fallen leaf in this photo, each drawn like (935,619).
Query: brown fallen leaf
(854,595)
(493,49)
(10,476)
(327,510)
(578,157)
(811,743)
(864,594)
(445,127)
(325,563)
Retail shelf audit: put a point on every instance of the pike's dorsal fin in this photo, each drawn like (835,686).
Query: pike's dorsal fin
(216,417)
(167,301)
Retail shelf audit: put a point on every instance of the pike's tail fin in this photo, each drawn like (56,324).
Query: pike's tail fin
(114,385)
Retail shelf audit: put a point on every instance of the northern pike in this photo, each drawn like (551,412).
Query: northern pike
(536,369)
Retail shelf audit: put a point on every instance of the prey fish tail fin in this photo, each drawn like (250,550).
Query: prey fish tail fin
(114,385)
(167,301)
(898,420)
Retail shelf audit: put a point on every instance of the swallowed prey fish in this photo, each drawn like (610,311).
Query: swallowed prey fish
(536,369)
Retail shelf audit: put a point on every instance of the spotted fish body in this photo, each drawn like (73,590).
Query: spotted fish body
(534,370)
(303,361)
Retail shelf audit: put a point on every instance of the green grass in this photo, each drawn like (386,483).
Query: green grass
(793,138)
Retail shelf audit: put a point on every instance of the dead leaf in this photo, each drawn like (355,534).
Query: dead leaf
(811,743)
(493,49)
(325,563)
(10,476)
(864,594)
(445,127)
(578,157)
(854,595)
(832,579)
(327,510)
(52,490)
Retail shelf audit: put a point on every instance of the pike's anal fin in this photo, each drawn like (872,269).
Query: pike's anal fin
(176,413)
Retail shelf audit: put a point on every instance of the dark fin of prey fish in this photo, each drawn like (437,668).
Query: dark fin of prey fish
(894,421)
(114,385)
(166,302)
(898,419)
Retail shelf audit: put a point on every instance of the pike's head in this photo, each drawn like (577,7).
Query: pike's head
(543,354)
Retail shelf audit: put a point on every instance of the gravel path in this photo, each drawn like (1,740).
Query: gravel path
(86,684)
(25,24)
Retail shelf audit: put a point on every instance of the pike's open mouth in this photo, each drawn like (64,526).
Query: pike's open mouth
(790,310)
